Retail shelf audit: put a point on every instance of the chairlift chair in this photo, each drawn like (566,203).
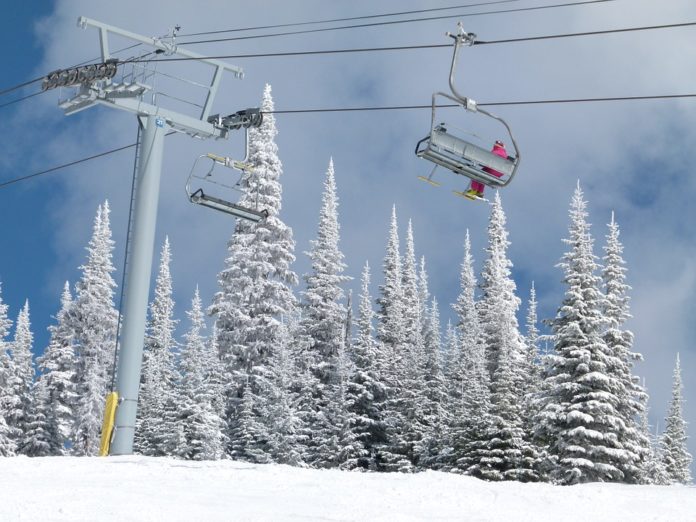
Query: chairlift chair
(212,189)
(445,149)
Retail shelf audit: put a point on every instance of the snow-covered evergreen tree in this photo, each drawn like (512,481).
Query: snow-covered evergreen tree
(675,455)
(323,318)
(579,420)
(365,392)
(156,424)
(21,408)
(390,316)
(467,377)
(285,425)
(323,311)
(413,399)
(255,284)
(436,416)
(508,455)
(92,317)
(8,434)
(532,344)
(654,467)
(391,334)
(38,439)
(203,428)
(633,398)
(57,377)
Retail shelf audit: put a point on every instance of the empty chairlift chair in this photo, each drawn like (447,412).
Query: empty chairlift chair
(213,186)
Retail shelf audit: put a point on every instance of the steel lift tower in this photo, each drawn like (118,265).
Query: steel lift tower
(97,84)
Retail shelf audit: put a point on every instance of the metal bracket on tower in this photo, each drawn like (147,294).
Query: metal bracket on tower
(241,119)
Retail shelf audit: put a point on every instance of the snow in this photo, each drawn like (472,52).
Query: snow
(152,489)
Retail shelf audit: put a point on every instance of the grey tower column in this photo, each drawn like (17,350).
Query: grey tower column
(138,282)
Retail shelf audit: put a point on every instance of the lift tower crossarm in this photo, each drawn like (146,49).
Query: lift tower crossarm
(169,49)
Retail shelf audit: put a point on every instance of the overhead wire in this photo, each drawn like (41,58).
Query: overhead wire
(70,164)
(346,19)
(394,22)
(430,46)
(370,109)
(141,60)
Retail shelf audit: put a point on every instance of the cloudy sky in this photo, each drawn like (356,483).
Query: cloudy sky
(631,157)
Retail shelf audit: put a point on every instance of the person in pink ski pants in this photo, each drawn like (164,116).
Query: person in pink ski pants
(476,187)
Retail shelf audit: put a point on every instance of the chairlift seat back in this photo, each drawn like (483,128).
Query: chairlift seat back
(465,158)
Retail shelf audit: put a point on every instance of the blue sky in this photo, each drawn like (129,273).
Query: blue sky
(630,157)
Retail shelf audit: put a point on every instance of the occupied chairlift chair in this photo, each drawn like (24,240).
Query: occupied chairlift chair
(215,189)
(458,155)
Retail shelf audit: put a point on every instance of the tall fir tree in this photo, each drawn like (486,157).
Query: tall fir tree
(323,319)
(8,435)
(285,425)
(436,414)
(38,439)
(365,392)
(531,341)
(57,376)
(391,334)
(467,377)
(256,282)
(675,455)
(20,414)
(92,317)
(413,399)
(580,420)
(204,429)
(508,455)
(654,467)
(157,424)
(632,395)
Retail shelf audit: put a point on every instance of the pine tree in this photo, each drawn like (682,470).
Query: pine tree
(532,345)
(413,400)
(365,392)
(57,368)
(19,404)
(20,407)
(8,434)
(255,284)
(323,318)
(675,455)
(531,370)
(38,439)
(654,467)
(436,414)
(467,376)
(579,420)
(393,455)
(633,397)
(323,311)
(390,317)
(508,455)
(283,420)
(92,318)
(157,422)
(203,428)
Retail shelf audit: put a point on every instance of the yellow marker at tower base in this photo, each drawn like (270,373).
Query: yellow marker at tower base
(108,423)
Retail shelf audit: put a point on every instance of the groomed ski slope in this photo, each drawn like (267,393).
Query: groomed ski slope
(140,488)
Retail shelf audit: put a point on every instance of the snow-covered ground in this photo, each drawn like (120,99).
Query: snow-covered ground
(140,488)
